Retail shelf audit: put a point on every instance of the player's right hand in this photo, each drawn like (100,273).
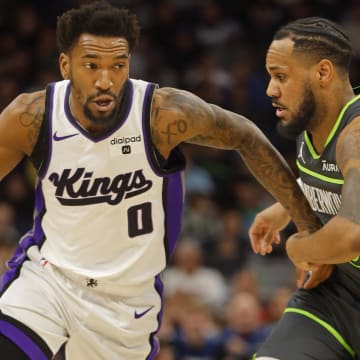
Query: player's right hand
(265,230)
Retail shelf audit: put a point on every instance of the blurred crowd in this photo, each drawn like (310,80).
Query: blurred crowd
(221,300)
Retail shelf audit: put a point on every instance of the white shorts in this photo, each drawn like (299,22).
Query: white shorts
(94,326)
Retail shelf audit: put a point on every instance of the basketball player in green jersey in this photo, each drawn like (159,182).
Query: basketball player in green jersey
(308,63)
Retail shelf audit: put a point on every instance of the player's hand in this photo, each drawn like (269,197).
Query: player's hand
(310,279)
(264,232)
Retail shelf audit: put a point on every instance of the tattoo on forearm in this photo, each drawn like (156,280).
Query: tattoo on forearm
(278,179)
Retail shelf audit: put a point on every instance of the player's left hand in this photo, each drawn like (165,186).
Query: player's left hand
(311,279)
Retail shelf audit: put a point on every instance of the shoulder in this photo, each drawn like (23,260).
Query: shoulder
(22,118)
(26,104)
(170,95)
(350,132)
(175,103)
(161,95)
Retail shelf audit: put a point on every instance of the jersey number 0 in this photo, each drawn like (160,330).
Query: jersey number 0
(140,219)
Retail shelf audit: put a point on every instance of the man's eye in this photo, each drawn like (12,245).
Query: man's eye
(280,77)
(90,66)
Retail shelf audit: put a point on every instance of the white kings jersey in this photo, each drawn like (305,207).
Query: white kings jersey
(105,208)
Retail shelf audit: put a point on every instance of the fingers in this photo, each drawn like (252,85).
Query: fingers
(254,241)
(261,242)
(313,281)
(266,244)
(301,276)
(318,276)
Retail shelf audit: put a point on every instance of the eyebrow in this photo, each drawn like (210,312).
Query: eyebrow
(277,67)
(95,56)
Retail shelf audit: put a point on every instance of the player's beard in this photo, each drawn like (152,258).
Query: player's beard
(302,119)
(107,120)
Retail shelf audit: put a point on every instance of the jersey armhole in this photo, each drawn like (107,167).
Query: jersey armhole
(40,154)
(176,161)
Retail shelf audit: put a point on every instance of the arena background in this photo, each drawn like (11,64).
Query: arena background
(215,49)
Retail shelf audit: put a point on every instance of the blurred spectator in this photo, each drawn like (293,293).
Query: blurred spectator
(249,198)
(215,29)
(8,90)
(9,236)
(245,330)
(7,216)
(197,178)
(273,271)
(16,191)
(277,303)
(197,335)
(189,275)
(200,219)
(230,251)
(245,280)
(351,24)
(208,79)
(9,239)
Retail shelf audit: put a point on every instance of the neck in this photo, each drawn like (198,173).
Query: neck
(327,113)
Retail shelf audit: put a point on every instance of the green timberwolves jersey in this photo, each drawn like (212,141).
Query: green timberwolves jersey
(321,181)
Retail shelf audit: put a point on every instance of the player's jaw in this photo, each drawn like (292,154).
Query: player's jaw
(102,108)
(293,123)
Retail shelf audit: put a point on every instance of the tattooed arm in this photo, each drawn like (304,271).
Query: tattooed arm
(179,116)
(19,128)
(339,240)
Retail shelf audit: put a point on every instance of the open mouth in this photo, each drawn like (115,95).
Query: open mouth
(104,103)
(280,110)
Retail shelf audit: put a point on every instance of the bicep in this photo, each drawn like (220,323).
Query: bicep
(19,127)
(181,116)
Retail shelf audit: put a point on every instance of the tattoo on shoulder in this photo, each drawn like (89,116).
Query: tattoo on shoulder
(32,117)
(168,130)
(185,111)
(174,128)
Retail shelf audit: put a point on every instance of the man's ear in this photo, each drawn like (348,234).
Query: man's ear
(325,71)
(64,64)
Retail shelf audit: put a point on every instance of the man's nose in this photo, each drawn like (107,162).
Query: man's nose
(272,90)
(104,81)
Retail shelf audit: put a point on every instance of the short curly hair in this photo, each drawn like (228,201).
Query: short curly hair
(98,18)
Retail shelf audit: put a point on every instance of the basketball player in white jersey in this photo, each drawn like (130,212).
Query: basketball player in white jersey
(85,281)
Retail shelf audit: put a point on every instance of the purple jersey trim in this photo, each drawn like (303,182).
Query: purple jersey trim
(35,236)
(159,286)
(145,118)
(50,121)
(127,103)
(174,208)
(23,341)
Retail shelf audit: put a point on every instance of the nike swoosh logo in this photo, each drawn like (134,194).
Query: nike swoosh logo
(141,314)
(59,138)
